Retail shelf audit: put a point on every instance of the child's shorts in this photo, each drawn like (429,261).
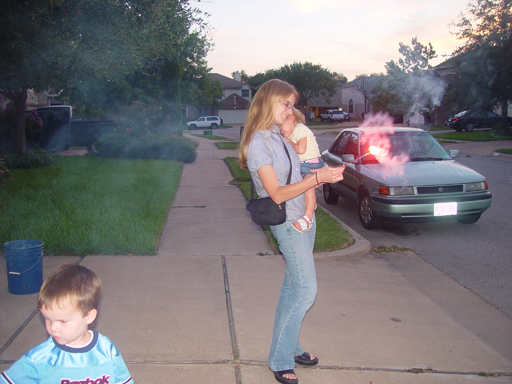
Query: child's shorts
(305,167)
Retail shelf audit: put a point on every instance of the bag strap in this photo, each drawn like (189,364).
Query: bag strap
(289,172)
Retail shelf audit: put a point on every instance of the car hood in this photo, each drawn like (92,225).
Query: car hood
(422,173)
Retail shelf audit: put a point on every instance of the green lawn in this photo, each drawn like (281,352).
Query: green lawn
(87,205)
(227,144)
(487,135)
(211,137)
(330,235)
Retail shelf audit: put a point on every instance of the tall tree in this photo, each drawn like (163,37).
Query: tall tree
(306,77)
(50,43)
(409,86)
(484,63)
(87,47)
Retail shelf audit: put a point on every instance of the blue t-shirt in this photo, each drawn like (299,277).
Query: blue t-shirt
(267,147)
(99,362)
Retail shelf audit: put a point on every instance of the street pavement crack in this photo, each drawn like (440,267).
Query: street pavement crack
(231,320)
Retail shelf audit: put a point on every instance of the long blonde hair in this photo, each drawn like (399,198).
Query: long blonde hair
(262,112)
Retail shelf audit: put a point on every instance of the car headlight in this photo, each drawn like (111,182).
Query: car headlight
(480,186)
(396,191)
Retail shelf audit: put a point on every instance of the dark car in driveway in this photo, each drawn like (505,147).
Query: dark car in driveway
(469,120)
(403,175)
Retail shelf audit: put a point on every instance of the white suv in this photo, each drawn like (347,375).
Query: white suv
(211,122)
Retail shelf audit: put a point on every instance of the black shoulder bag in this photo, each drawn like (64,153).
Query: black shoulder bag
(264,211)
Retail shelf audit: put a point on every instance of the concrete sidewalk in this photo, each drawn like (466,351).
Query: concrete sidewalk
(202,309)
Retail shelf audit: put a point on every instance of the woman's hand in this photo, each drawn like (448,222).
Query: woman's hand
(329,174)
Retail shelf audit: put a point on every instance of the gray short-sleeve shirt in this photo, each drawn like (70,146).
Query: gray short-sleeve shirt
(266,147)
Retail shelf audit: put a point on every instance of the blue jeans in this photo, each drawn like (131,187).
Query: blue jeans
(297,294)
(305,168)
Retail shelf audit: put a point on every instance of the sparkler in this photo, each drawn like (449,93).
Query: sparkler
(373,150)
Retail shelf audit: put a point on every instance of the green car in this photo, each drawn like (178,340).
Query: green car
(403,175)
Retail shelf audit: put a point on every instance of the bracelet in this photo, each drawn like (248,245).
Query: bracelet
(316,174)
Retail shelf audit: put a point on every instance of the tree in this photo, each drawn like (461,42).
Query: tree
(47,43)
(306,77)
(94,48)
(409,86)
(483,64)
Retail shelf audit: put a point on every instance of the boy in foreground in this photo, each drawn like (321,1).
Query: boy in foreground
(68,301)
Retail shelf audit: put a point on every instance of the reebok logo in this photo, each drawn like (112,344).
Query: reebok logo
(101,380)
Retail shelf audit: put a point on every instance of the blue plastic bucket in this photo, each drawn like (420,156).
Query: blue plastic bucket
(24,266)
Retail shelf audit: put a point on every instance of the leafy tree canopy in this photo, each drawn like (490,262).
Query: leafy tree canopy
(409,86)
(483,64)
(307,78)
(101,52)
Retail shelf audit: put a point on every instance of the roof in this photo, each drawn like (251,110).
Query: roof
(226,82)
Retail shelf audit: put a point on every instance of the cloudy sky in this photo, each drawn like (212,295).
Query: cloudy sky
(351,38)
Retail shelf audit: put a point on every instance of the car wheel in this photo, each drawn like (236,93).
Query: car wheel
(213,126)
(367,215)
(192,127)
(329,196)
(469,127)
(469,219)
(322,120)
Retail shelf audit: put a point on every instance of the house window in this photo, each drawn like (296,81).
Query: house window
(245,93)
(351,106)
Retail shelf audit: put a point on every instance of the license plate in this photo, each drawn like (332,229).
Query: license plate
(445,209)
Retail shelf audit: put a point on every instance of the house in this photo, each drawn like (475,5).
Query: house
(352,97)
(236,99)
(356,95)
(319,103)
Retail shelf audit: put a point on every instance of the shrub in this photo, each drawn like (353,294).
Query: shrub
(150,146)
(33,159)
(148,118)
(5,175)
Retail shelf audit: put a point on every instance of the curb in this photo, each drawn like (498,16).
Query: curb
(357,250)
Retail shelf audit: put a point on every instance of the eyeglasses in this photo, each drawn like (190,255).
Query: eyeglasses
(287,104)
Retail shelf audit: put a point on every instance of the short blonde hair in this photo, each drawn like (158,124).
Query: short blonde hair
(262,112)
(299,116)
(71,284)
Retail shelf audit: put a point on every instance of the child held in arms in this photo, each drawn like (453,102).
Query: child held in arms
(68,301)
(304,142)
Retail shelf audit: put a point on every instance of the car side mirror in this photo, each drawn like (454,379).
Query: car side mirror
(348,158)
(454,153)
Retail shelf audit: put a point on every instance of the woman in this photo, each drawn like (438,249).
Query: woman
(262,151)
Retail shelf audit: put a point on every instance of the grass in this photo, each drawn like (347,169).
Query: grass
(487,135)
(330,235)
(85,205)
(505,150)
(227,144)
(431,128)
(211,137)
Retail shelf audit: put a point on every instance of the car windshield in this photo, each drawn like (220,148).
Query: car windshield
(414,146)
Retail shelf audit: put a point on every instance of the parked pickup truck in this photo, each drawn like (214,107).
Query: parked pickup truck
(332,115)
(60,131)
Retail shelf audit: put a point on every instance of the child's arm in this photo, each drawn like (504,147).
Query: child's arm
(301,145)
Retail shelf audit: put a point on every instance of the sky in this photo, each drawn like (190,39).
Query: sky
(351,38)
